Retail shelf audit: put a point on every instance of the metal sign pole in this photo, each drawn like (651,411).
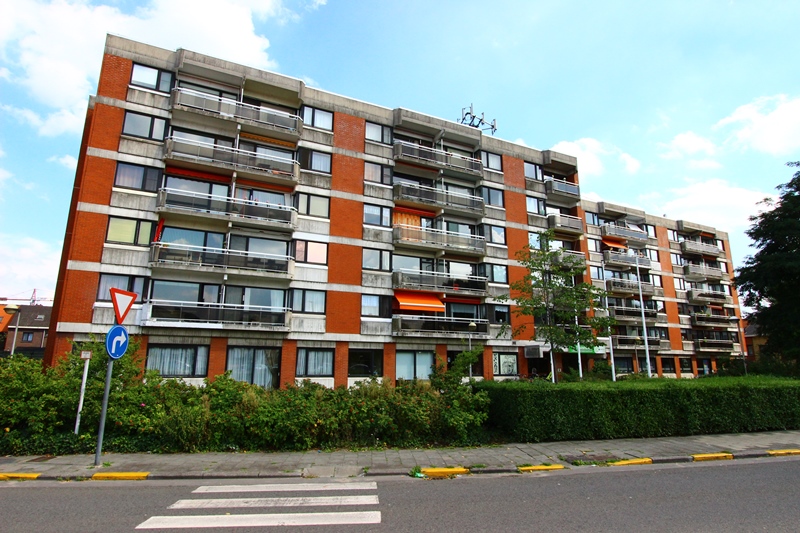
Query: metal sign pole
(83,390)
(103,411)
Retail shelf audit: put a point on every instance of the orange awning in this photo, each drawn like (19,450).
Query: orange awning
(614,244)
(418,301)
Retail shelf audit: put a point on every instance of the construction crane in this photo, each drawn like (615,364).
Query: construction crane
(33,300)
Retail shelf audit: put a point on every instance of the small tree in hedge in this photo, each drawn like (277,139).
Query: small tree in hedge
(553,294)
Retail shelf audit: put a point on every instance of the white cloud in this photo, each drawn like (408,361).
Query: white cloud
(5,74)
(2,153)
(769,124)
(520,141)
(4,175)
(704,164)
(593,156)
(67,161)
(28,264)
(688,143)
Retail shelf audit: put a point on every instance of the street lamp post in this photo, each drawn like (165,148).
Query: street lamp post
(471,328)
(13,310)
(644,324)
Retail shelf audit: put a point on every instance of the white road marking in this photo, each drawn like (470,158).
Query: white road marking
(275,502)
(260,520)
(287,487)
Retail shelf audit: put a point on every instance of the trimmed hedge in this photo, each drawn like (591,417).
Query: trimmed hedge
(540,411)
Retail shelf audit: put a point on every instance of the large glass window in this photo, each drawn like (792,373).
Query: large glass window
(311,252)
(151,78)
(492,161)
(495,234)
(378,133)
(254,296)
(377,215)
(129,231)
(376,306)
(317,118)
(536,206)
(376,259)
(377,173)
(178,361)
(492,196)
(259,366)
(259,246)
(145,126)
(413,364)
(504,364)
(364,363)
(405,262)
(183,291)
(314,362)
(193,237)
(307,301)
(533,171)
(137,177)
(118,281)
(312,205)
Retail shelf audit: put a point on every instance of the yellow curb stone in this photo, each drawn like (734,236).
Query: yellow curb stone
(712,456)
(638,461)
(120,475)
(444,472)
(22,475)
(539,468)
(779,453)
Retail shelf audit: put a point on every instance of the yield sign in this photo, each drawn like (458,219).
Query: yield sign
(122,300)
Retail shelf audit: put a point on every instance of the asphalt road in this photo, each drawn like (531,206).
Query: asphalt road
(741,495)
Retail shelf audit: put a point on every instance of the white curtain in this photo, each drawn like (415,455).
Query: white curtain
(178,361)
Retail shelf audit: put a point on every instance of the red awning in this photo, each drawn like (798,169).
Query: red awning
(614,244)
(419,301)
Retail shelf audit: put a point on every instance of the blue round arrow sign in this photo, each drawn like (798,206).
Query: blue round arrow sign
(116,342)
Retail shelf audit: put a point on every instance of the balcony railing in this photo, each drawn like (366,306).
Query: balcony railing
(706,295)
(620,259)
(630,342)
(562,188)
(622,232)
(241,160)
(200,312)
(701,248)
(436,238)
(703,319)
(439,197)
(565,223)
(620,312)
(439,281)
(628,286)
(437,158)
(701,272)
(713,345)
(278,215)
(184,254)
(270,118)
(438,326)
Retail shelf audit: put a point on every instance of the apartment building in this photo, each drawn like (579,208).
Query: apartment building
(285,233)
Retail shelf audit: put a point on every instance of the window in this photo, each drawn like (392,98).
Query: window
(151,78)
(265,151)
(534,240)
(314,362)
(193,237)
(623,365)
(672,235)
(314,161)
(272,247)
(651,230)
(495,234)
(259,366)
(198,137)
(376,306)
(535,205)
(499,314)
(145,126)
(377,215)
(676,259)
(592,218)
(178,361)
(686,365)
(376,259)
(655,279)
(137,177)
(117,281)
(364,363)
(377,173)
(311,252)
(596,272)
(680,284)
(27,336)
(318,118)
(378,133)
(182,291)
(533,171)
(720,245)
(413,364)
(491,161)
(494,273)
(667,365)
(476,368)
(307,301)
(651,254)
(504,364)
(255,297)
(594,245)
(129,231)
(492,197)
(312,205)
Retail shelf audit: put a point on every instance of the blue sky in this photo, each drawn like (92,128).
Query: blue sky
(688,109)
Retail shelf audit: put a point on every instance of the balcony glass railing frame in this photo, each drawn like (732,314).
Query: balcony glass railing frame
(235,158)
(223,258)
(437,237)
(610,258)
(218,313)
(562,222)
(562,187)
(624,232)
(439,197)
(439,326)
(226,205)
(439,281)
(629,285)
(437,157)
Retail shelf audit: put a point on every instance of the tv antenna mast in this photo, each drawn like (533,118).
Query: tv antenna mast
(469,118)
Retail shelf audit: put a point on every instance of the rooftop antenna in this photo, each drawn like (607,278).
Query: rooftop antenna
(469,118)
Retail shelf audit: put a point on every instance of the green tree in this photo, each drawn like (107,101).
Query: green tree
(553,294)
(769,280)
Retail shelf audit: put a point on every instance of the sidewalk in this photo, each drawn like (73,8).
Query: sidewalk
(341,463)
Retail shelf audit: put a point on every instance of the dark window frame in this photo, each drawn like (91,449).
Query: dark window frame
(387,267)
(305,198)
(150,175)
(385,216)
(386,133)
(304,259)
(159,79)
(137,234)
(195,347)
(313,115)
(153,120)
(299,301)
(305,374)
(373,362)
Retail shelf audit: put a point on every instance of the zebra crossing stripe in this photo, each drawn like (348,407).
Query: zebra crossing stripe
(261,520)
(285,487)
(309,501)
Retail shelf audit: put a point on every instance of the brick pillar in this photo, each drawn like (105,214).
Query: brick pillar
(217,357)
(390,362)
(440,359)
(340,364)
(288,363)
(488,370)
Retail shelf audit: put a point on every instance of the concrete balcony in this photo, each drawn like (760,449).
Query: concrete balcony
(565,224)
(713,345)
(561,191)
(622,260)
(702,272)
(196,154)
(700,248)
(714,321)
(182,256)
(435,239)
(438,159)
(571,257)
(633,236)
(439,282)
(448,202)
(630,342)
(629,286)
(169,313)
(633,314)
(438,326)
(186,204)
(707,296)
(257,119)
